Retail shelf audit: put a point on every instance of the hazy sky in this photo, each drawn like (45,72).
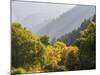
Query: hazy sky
(43,18)
(21,10)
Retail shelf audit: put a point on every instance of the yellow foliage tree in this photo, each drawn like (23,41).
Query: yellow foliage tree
(52,57)
(72,57)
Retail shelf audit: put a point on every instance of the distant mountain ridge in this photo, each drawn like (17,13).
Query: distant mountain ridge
(54,26)
(68,21)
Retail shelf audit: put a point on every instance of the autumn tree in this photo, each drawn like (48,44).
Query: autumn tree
(69,56)
(52,57)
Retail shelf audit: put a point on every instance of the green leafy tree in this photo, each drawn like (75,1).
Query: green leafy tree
(44,39)
(86,43)
(27,49)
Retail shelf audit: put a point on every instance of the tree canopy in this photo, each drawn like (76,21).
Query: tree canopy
(32,53)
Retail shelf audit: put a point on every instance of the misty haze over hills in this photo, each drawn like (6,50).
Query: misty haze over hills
(68,21)
(31,14)
(53,20)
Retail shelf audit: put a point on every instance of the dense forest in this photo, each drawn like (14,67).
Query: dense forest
(70,37)
(32,53)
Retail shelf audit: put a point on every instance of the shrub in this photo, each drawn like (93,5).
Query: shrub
(18,71)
